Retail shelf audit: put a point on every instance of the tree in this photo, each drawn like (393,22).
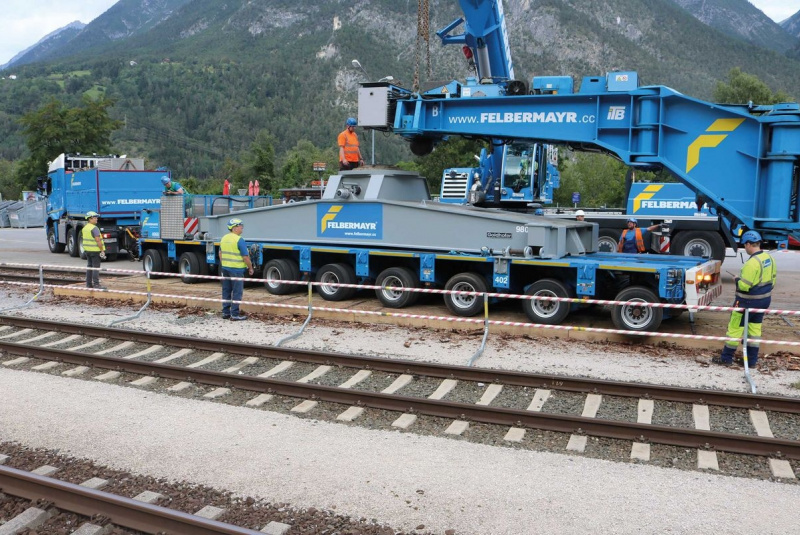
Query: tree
(454,152)
(742,88)
(259,163)
(54,129)
(297,168)
(600,179)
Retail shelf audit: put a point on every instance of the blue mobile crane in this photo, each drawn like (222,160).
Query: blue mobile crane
(740,160)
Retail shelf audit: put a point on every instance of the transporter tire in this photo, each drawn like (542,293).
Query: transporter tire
(698,243)
(52,242)
(190,264)
(607,241)
(335,274)
(465,305)
(281,269)
(634,316)
(393,280)
(547,312)
(73,248)
(152,262)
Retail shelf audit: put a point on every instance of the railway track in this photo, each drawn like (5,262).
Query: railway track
(396,394)
(50,276)
(89,501)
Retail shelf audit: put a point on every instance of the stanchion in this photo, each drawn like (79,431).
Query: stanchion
(747,376)
(479,352)
(144,307)
(308,319)
(36,295)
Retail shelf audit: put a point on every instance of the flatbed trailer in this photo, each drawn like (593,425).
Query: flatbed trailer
(403,243)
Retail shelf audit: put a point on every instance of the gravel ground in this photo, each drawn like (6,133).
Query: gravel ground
(403,479)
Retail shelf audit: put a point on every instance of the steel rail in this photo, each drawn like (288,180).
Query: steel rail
(740,400)
(693,438)
(120,510)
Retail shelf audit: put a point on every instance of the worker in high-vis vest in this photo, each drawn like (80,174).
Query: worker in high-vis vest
(633,239)
(753,290)
(349,151)
(95,250)
(234,258)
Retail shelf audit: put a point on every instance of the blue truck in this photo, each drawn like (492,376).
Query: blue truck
(116,187)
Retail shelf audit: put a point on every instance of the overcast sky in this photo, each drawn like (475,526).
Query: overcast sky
(27,21)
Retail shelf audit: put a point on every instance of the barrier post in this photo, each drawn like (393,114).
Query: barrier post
(308,319)
(479,352)
(747,376)
(35,296)
(146,304)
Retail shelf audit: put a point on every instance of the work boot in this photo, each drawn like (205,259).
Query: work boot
(241,317)
(721,362)
(226,316)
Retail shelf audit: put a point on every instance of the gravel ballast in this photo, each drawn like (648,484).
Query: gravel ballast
(400,479)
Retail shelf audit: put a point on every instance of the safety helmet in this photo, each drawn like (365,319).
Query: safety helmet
(90,215)
(632,220)
(580,212)
(751,236)
(165,180)
(351,121)
(235,222)
(524,153)
(538,211)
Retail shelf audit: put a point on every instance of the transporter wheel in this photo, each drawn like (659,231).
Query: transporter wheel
(152,262)
(393,280)
(698,243)
(607,241)
(52,242)
(634,316)
(281,269)
(330,274)
(547,312)
(191,264)
(73,249)
(465,305)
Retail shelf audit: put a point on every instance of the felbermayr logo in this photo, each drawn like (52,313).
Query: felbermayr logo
(329,222)
(646,194)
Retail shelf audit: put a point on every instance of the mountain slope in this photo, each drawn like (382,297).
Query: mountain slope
(792,25)
(46,45)
(740,18)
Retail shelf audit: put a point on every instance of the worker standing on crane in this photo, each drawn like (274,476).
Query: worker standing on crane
(234,258)
(95,250)
(349,151)
(753,290)
(633,238)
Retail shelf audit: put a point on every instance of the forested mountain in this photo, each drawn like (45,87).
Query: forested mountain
(194,88)
(740,18)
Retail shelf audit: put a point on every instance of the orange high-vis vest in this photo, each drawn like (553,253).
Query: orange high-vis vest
(639,240)
(349,140)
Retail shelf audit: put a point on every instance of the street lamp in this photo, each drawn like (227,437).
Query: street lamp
(357,65)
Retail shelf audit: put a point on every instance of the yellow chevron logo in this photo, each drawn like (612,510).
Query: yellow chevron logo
(330,216)
(710,141)
(647,193)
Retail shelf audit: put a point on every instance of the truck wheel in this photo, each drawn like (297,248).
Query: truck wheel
(607,241)
(634,316)
(465,305)
(81,251)
(52,242)
(335,274)
(190,264)
(281,269)
(152,262)
(73,249)
(547,312)
(393,280)
(698,243)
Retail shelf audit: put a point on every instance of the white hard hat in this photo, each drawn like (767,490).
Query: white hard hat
(580,212)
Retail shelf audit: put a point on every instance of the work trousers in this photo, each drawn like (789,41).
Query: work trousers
(92,275)
(232,291)
(736,330)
